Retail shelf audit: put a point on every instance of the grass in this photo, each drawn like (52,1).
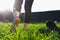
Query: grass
(31,33)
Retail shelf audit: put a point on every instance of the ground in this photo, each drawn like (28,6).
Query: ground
(31,33)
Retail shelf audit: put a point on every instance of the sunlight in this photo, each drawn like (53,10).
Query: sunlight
(38,5)
(6,4)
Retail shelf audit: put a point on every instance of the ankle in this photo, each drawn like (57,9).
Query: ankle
(25,25)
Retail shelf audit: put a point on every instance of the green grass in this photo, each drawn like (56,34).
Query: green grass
(31,33)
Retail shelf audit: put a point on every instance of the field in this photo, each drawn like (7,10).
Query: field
(32,33)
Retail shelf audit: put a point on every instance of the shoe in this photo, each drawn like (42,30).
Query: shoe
(13,28)
(17,20)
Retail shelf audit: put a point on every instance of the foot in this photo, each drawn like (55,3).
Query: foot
(17,20)
(13,28)
(25,26)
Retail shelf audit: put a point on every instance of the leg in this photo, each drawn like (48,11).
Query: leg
(28,5)
(17,9)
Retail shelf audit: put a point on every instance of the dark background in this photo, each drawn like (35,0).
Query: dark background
(35,16)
